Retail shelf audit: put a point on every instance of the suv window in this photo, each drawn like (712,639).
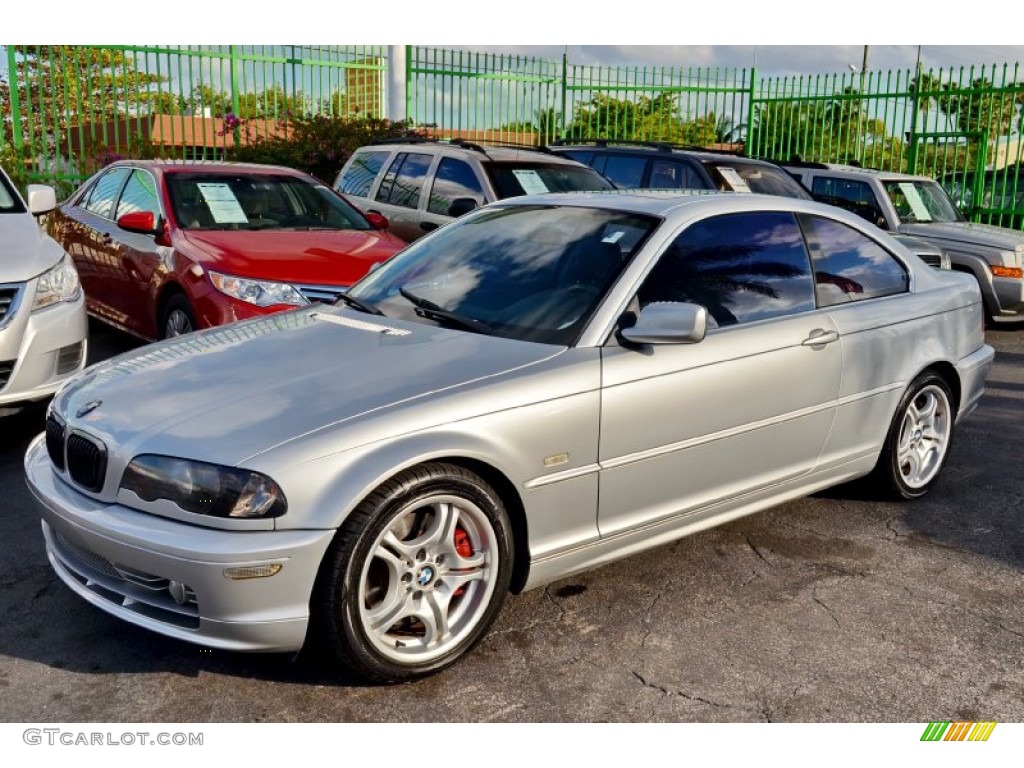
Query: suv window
(403,181)
(850,194)
(666,174)
(742,267)
(627,171)
(359,176)
(514,179)
(762,179)
(139,195)
(104,192)
(454,179)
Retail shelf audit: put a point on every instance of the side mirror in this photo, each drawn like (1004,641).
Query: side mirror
(668,322)
(461,206)
(41,199)
(143,222)
(378,220)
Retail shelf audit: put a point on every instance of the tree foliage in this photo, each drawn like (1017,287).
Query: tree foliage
(319,144)
(62,85)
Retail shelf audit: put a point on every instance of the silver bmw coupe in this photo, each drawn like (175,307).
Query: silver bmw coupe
(543,386)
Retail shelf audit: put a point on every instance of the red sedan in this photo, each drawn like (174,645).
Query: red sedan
(165,248)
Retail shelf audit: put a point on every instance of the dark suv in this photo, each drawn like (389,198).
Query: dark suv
(651,165)
(421,184)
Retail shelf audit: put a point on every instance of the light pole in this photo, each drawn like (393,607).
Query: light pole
(863,71)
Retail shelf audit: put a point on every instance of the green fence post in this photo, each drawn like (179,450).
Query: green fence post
(236,100)
(12,74)
(564,133)
(408,85)
(752,95)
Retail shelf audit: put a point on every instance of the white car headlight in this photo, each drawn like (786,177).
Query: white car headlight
(204,489)
(262,293)
(58,284)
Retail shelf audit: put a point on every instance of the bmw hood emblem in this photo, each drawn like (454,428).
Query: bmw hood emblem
(88,408)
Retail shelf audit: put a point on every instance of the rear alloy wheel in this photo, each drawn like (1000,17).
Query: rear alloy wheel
(178,318)
(919,438)
(416,575)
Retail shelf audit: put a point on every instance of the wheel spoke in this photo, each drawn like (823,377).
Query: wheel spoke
(440,534)
(456,579)
(395,606)
(399,550)
(912,461)
(434,615)
(926,415)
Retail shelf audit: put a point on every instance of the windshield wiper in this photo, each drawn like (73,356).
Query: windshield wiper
(431,311)
(359,304)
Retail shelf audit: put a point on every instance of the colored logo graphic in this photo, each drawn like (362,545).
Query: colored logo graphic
(960,731)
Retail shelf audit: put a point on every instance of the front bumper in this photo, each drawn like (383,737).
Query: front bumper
(1009,297)
(132,564)
(43,349)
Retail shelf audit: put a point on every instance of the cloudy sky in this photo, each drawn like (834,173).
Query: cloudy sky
(779,37)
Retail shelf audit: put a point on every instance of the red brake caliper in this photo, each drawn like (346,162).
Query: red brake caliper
(464,548)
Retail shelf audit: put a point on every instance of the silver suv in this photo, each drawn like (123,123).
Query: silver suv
(919,206)
(420,185)
(43,325)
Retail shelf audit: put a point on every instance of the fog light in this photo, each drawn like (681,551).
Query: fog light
(252,571)
(178,591)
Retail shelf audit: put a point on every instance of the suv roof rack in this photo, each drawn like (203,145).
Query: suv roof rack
(664,146)
(463,143)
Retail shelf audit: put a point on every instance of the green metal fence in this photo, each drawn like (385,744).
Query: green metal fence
(68,109)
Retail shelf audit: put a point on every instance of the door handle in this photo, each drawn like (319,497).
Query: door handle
(820,336)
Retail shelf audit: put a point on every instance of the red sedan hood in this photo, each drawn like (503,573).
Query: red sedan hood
(318,257)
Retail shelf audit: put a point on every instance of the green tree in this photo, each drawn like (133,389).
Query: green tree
(319,144)
(982,107)
(63,85)
(646,119)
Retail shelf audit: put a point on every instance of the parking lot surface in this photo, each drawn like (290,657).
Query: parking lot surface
(836,608)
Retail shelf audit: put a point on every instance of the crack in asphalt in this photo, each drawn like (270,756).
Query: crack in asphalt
(758,552)
(662,689)
(828,610)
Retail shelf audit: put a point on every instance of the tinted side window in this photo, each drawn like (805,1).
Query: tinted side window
(761,179)
(454,179)
(743,267)
(848,265)
(358,177)
(626,171)
(404,180)
(101,199)
(139,195)
(666,174)
(855,196)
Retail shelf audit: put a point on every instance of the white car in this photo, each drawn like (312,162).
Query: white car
(43,325)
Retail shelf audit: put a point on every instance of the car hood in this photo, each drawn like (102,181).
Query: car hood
(319,257)
(966,232)
(27,251)
(230,393)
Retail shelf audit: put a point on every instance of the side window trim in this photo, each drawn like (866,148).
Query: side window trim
(156,193)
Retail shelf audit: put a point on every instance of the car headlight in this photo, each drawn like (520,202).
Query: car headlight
(205,489)
(262,293)
(58,284)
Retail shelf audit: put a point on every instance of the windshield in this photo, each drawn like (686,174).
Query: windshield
(750,177)
(9,202)
(515,179)
(534,273)
(921,201)
(257,201)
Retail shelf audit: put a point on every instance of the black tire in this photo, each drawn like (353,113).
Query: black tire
(402,555)
(919,439)
(177,318)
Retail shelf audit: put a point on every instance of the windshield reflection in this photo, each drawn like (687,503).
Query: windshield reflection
(535,273)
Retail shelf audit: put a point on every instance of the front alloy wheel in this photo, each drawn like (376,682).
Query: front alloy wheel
(416,575)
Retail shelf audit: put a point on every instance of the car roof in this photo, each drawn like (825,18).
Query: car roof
(653,148)
(485,152)
(666,202)
(853,171)
(208,166)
